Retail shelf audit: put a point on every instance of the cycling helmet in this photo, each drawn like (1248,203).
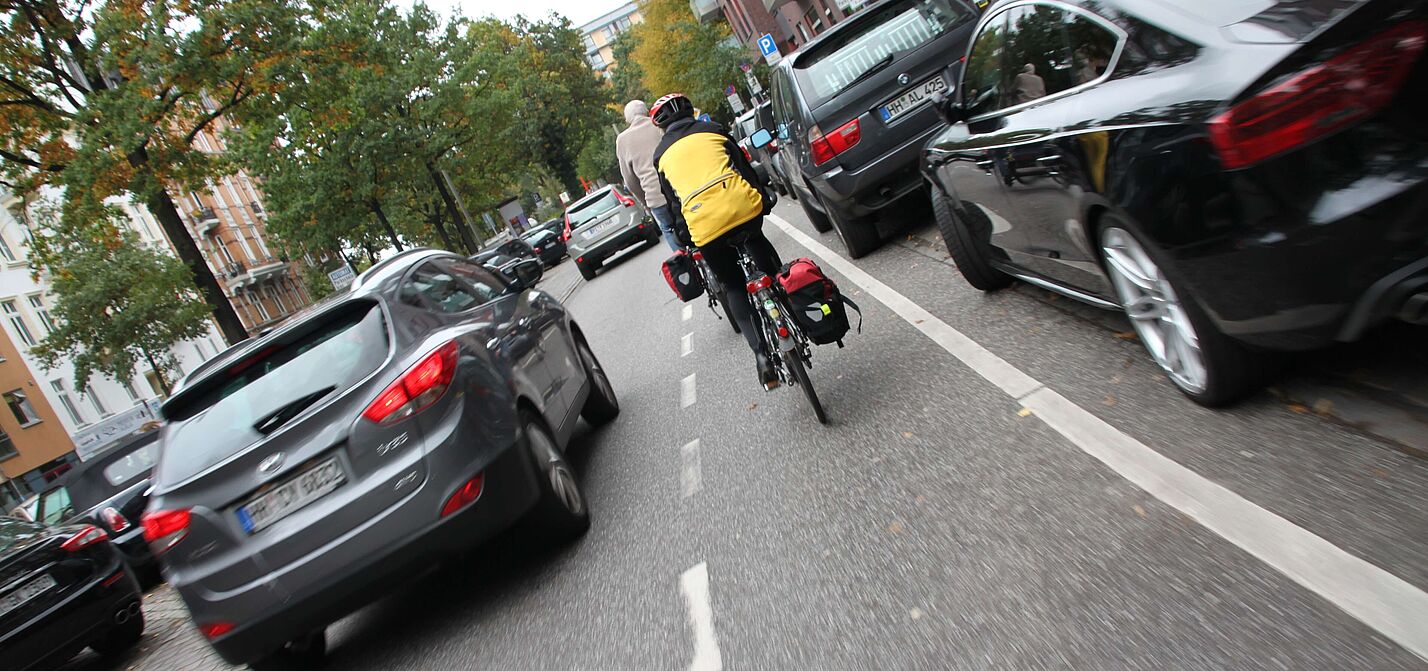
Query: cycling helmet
(671,108)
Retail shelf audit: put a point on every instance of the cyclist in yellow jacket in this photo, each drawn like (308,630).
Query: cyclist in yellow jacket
(715,197)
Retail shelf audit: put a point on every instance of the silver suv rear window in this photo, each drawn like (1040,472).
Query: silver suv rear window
(584,213)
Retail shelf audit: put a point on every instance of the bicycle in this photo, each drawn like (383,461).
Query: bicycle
(785,343)
(712,288)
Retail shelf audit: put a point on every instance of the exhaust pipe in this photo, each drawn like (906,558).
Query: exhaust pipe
(127,613)
(1415,309)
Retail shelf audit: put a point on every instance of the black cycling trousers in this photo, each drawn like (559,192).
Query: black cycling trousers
(723,259)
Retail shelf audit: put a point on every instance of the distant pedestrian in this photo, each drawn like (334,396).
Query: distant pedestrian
(635,149)
(1028,85)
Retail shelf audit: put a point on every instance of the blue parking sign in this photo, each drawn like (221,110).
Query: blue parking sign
(767,46)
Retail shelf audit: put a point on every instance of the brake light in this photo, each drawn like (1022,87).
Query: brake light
(163,529)
(469,492)
(783,331)
(213,630)
(698,255)
(759,284)
(114,519)
(1318,101)
(417,389)
(86,537)
(747,156)
(825,147)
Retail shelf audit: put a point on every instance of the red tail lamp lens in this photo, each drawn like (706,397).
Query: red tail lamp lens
(163,529)
(417,389)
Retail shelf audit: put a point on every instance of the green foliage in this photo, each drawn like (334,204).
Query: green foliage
(115,304)
(316,281)
(678,53)
(597,159)
(628,80)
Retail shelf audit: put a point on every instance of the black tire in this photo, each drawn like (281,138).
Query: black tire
(601,406)
(1232,371)
(307,652)
(860,236)
(969,246)
(121,638)
(561,512)
(729,314)
(818,219)
(800,375)
(586,271)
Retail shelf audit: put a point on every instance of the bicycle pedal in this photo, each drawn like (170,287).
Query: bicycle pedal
(770,386)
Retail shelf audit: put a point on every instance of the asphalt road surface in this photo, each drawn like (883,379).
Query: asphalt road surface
(1003,485)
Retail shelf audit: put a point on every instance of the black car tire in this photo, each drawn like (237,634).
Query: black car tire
(1232,370)
(818,219)
(121,638)
(601,406)
(306,652)
(969,248)
(860,236)
(586,271)
(562,511)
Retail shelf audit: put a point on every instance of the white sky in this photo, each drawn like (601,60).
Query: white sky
(579,11)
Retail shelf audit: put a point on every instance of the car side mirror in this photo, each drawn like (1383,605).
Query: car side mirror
(948,108)
(761,138)
(526,273)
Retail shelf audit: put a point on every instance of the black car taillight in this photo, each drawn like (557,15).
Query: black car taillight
(86,537)
(114,519)
(1320,100)
(417,389)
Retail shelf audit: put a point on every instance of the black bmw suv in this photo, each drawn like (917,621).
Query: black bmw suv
(851,110)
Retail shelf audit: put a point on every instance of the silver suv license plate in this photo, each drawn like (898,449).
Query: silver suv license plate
(912,99)
(287,498)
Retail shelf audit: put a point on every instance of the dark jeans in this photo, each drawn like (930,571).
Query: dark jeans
(723,259)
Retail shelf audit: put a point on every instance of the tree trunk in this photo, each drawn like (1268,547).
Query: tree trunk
(164,210)
(434,218)
(463,229)
(159,372)
(371,253)
(386,225)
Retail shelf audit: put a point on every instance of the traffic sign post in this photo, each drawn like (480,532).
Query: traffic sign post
(768,48)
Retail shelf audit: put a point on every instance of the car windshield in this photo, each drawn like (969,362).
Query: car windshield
(54,507)
(587,211)
(889,32)
(221,415)
(537,237)
(131,466)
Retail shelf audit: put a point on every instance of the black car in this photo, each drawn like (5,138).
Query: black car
(61,589)
(110,491)
(851,115)
(1235,176)
(548,247)
(517,248)
(501,263)
(743,129)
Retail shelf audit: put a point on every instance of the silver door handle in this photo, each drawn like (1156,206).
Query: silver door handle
(1053,157)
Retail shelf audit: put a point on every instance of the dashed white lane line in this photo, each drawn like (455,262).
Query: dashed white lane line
(688,311)
(691,478)
(686,344)
(695,586)
(686,392)
(1379,599)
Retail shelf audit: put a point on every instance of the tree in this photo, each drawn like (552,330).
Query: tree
(103,101)
(597,159)
(678,53)
(115,299)
(627,81)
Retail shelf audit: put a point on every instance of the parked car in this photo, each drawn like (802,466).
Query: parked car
(1233,180)
(63,588)
(556,226)
(548,247)
(851,114)
(110,491)
(311,470)
(602,224)
(505,265)
(758,157)
(517,248)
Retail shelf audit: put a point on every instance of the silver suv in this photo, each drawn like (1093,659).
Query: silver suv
(604,222)
(305,472)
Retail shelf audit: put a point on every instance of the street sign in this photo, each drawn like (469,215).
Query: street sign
(745,67)
(736,103)
(754,88)
(730,90)
(342,278)
(768,48)
(705,117)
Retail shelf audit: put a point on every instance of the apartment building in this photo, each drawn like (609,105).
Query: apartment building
(792,23)
(598,34)
(35,448)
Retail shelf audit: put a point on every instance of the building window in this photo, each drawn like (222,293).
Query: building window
(222,249)
(7,446)
(37,303)
(153,379)
(597,61)
(66,401)
(6,252)
(94,400)
(19,405)
(17,321)
(131,391)
(589,42)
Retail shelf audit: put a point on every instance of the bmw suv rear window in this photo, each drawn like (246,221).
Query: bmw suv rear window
(252,396)
(889,31)
(585,212)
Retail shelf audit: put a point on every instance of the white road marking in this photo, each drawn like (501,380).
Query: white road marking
(686,392)
(695,586)
(691,479)
(688,311)
(686,344)
(1379,599)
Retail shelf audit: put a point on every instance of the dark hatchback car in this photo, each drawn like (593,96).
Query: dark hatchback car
(548,247)
(851,115)
(1236,175)
(110,491)
(309,471)
(61,589)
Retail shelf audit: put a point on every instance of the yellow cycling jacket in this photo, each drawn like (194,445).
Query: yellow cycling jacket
(709,184)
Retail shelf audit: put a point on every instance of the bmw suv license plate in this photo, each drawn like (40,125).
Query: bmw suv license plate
(18,596)
(287,498)
(912,99)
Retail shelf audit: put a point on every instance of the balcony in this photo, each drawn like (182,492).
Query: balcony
(205,219)
(706,10)
(238,275)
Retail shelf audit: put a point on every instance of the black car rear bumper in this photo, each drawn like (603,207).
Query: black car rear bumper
(510,491)
(83,616)
(877,184)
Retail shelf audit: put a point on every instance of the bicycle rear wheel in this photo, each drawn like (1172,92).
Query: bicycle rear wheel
(800,374)
(728,314)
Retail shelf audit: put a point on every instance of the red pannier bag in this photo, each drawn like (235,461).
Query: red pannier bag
(682,276)
(819,308)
